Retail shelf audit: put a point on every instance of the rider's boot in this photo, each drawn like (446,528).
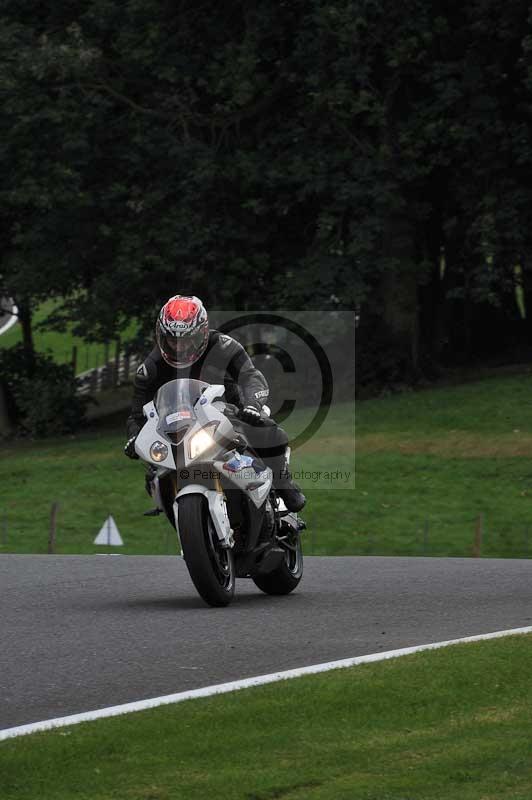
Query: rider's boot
(284,486)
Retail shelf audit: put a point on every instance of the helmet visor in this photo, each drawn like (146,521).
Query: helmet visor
(181,351)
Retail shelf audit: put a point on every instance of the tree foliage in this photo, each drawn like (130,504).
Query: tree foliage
(42,396)
(315,154)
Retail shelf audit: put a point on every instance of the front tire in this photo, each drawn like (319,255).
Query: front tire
(211,567)
(284,578)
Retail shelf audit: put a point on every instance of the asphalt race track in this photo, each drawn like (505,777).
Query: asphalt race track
(79,633)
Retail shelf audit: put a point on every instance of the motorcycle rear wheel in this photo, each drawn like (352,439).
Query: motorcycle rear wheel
(211,567)
(284,578)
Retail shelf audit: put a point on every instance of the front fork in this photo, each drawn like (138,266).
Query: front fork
(217,510)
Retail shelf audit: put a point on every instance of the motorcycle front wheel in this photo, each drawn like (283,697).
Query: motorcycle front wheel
(211,567)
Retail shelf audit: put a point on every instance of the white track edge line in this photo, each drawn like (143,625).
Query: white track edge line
(260,680)
(12,321)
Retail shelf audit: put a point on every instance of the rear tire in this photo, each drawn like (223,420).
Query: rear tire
(211,567)
(284,578)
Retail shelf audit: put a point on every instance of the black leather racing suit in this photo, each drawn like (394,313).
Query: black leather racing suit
(224,361)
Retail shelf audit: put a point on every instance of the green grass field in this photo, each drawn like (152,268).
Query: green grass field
(440,458)
(90,477)
(453,724)
(427,464)
(59,345)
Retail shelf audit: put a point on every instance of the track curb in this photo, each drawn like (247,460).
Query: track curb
(246,683)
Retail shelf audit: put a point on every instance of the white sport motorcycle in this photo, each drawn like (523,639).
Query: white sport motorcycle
(217,493)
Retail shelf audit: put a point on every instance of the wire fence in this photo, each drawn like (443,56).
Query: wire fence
(441,538)
(98,366)
(82,358)
(56,534)
(115,369)
(475,542)
(111,374)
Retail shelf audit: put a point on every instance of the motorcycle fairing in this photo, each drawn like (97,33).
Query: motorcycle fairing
(148,435)
(256,486)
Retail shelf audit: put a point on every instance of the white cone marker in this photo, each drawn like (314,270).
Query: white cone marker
(109,534)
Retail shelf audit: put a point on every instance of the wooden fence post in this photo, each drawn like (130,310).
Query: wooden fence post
(117,363)
(53,523)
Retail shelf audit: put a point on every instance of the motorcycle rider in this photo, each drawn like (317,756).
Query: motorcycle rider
(187,348)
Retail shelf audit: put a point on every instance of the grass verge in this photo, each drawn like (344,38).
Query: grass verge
(441,725)
(430,462)
(90,478)
(427,465)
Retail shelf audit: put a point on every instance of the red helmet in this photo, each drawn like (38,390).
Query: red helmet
(182,330)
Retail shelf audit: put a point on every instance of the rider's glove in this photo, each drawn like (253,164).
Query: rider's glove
(129,449)
(251,414)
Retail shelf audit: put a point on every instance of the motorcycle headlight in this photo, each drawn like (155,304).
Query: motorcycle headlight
(158,451)
(202,440)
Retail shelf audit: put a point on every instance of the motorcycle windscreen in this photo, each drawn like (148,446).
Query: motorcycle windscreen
(175,404)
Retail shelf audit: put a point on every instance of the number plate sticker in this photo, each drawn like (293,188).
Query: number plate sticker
(178,415)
